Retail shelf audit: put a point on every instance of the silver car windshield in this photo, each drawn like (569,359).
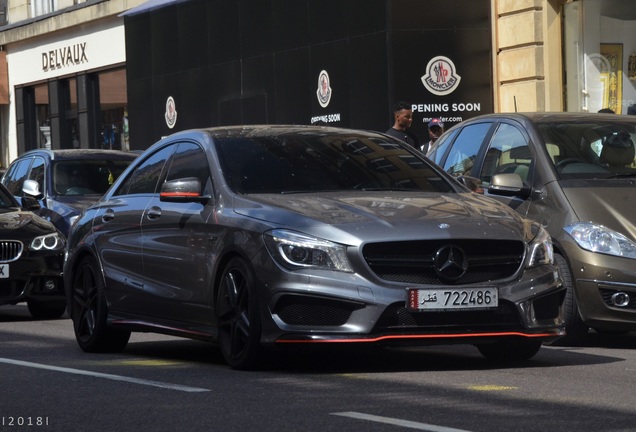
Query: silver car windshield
(591,150)
(297,163)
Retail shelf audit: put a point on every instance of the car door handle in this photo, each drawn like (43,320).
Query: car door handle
(153,212)
(108,216)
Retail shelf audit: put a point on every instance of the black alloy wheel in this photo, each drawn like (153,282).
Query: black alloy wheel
(510,350)
(89,312)
(44,310)
(238,317)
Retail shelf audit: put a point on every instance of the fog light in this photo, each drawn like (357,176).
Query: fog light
(49,285)
(620,299)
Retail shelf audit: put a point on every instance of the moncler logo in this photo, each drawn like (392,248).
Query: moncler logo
(171,112)
(441,77)
(324,89)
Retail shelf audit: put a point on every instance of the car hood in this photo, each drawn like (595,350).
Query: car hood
(610,203)
(374,216)
(13,219)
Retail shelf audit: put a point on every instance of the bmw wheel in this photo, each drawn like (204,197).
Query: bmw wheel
(238,317)
(89,312)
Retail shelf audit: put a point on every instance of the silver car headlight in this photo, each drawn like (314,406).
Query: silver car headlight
(294,251)
(541,250)
(51,242)
(600,239)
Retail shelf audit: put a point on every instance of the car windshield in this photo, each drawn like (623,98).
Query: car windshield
(598,149)
(86,177)
(296,163)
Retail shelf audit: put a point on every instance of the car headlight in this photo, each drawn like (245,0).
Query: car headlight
(294,251)
(53,241)
(600,239)
(541,250)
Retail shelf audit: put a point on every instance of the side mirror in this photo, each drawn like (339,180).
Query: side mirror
(182,190)
(508,185)
(31,188)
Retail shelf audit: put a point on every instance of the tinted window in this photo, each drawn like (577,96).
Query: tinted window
(85,177)
(439,148)
(190,161)
(145,177)
(508,153)
(37,172)
(462,155)
(16,175)
(304,163)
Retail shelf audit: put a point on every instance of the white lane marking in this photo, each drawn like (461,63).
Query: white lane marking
(398,422)
(106,376)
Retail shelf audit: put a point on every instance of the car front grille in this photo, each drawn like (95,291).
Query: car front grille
(10,250)
(426,262)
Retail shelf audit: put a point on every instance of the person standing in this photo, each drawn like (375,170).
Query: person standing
(403,117)
(435,129)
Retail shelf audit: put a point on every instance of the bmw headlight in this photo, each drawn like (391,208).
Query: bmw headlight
(50,242)
(540,250)
(294,251)
(600,239)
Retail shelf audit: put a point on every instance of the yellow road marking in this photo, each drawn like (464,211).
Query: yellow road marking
(491,388)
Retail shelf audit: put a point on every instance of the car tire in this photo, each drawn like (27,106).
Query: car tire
(89,311)
(510,351)
(238,317)
(576,330)
(45,310)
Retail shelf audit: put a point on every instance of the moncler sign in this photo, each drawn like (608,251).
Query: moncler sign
(71,55)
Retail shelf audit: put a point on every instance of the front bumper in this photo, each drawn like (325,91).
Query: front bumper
(332,307)
(35,277)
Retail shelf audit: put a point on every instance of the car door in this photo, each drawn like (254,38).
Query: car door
(176,244)
(117,228)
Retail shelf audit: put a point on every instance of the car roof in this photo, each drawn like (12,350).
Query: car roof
(82,154)
(551,117)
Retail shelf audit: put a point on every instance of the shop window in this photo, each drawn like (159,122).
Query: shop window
(42,7)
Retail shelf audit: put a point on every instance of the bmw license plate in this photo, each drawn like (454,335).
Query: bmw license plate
(4,271)
(453,299)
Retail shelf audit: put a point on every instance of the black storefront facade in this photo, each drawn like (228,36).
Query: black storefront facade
(199,63)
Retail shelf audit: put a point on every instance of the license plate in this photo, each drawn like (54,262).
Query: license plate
(4,271)
(453,299)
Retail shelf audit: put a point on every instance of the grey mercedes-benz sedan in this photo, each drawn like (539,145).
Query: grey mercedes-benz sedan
(269,236)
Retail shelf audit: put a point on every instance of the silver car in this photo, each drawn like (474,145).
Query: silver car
(272,236)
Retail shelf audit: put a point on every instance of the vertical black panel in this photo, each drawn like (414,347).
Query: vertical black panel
(165,40)
(256,27)
(138,47)
(290,24)
(368,82)
(192,34)
(25,119)
(140,115)
(224,34)
(88,110)
(196,99)
(294,87)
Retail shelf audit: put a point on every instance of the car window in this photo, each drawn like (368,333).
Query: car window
(16,175)
(145,177)
(439,148)
(462,155)
(37,172)
(508,153)
(190,161)
(295,163)
(85,177)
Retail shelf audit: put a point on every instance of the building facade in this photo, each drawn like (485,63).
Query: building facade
(121,73)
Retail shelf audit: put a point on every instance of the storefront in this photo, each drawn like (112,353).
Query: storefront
(69,89)
(599,44)
(198,63)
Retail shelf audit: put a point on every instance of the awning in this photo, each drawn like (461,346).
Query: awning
(150,5)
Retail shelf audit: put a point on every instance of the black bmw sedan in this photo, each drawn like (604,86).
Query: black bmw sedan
(270,236)
(31,260)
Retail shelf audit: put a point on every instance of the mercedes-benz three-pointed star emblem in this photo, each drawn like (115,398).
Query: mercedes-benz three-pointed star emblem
(450,262)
